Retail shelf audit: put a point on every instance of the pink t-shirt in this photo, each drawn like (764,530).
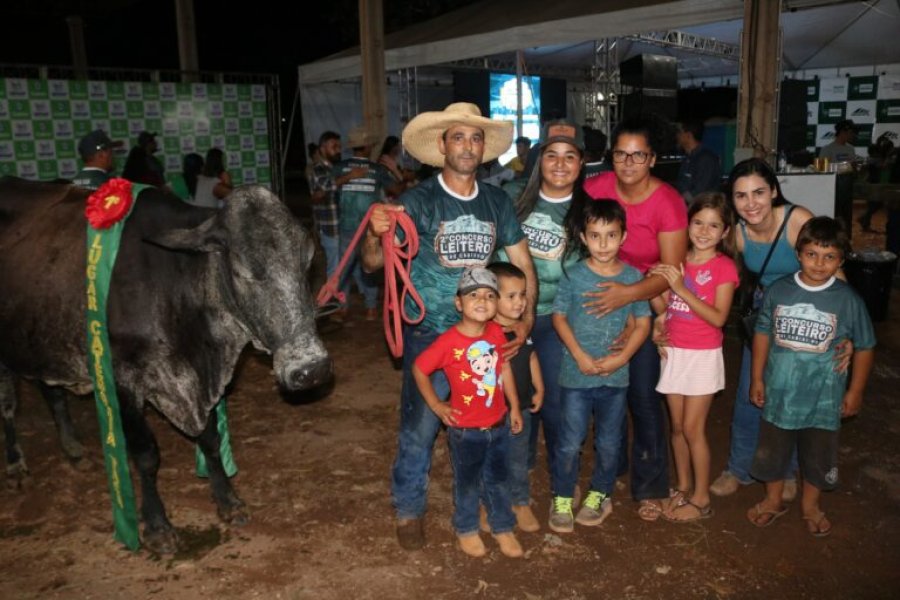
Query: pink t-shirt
(662,212)
(685,329)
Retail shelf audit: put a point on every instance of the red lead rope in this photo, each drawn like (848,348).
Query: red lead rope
(397,262)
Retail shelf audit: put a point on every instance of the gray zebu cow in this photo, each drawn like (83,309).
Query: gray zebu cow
(191,288)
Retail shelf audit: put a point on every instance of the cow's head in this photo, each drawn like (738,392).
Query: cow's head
(265,257)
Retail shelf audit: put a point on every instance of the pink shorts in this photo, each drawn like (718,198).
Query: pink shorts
(691,372)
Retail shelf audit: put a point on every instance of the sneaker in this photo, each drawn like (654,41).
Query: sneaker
(789,492)
(472,545)
(596,507)
(561,519)
(725,484)
(525,518)
(509,545)
(410,534)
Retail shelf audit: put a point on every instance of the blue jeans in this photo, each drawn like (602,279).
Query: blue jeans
(607,405)
(479,460)
(365,282)
(650,447)
(745,429)
(418,428)
(518,484)
(549,350)
(330,245)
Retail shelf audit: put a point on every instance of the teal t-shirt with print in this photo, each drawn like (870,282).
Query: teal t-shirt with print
(546,236)
(803,324)
(356,196)
(454,233)
(593,334)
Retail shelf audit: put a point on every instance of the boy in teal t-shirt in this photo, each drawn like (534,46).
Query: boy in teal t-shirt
(792,374)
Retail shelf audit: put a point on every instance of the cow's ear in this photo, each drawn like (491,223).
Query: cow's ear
(206,237)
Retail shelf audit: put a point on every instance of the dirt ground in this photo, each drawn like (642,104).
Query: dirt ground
(315,471)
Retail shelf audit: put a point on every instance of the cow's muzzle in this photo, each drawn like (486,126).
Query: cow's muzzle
(308,375)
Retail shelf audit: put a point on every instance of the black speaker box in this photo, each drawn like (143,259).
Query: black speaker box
(650,101)
(649,71)
(792,103)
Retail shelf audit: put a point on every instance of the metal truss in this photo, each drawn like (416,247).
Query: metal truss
(509,66)
(690,42)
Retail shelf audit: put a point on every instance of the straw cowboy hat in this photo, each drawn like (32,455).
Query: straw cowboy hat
(359,136)
(420,137)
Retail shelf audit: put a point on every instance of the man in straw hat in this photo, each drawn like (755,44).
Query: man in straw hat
(460,224)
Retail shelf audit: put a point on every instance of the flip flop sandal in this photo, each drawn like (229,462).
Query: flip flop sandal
(649,510)
(773,514)
(816,521)
(703,512)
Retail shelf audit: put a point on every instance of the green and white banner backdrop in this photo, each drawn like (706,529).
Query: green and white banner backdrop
(873,103)
(41,122)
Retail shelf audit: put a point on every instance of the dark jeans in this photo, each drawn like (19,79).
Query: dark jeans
(479,458)
(418,428)
(650,448)
(549,350)
(607,406)
(519,486)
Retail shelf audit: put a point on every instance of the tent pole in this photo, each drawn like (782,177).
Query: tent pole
(760,75)
(520,58)
(374,90)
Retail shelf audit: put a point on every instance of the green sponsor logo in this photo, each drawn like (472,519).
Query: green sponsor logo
(248,158)
(203,142)
(863,88)
(61,109)
(831,112)
(24,149)
(8,169)
(264,175)
(888,111)
(259,109)
(65,148)
(38,89)
(118,129)
(80,128)
(115,90)
(43,130)
(231,109)
(243,92)
(170,145)
(47,169)
(19,109)
(99,109)
(246,125)
(5,130)
(201,110)
(233,141)
(185,126)
(183,91)
(154,125)
(214,91)
(169,109)
(135,109)
(78,90)
(217,126)
(261,142)
(150,91)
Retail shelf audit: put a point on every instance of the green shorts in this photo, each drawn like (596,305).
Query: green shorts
(817,453)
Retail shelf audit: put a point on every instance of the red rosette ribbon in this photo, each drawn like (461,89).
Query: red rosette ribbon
(109,204)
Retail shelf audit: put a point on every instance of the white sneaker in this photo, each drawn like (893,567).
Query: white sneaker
(725,484)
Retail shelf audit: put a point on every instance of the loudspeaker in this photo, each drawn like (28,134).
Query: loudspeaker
(474,87)
(650,101)
(649,71)
(792,103)
(553,99)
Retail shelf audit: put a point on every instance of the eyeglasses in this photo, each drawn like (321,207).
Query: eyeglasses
(637,158)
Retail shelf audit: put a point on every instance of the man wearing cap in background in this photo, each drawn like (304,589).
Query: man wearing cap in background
(141,166)
(361,182)
(460,224)
(700,169)
(841,149)
(517,164)
(96,152)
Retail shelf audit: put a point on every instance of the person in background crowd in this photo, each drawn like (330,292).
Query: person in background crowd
(184,184)
(594,152)
(214,183)
(701,170)
(141,166)
(841,149)
(96,151)
(390,160)
(517,164)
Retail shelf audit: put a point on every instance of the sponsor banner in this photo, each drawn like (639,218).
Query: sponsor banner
(863,138)
(8,169)
(831,112)
(833,90)
(889,87)
(824,135)
(888,111)
(890,130)
(863,88)
(41,122)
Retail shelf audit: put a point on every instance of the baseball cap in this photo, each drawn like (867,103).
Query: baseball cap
(145,137)
(474,278)
(94,142)
(562,130)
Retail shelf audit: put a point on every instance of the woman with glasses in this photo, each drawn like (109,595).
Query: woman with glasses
(656,226)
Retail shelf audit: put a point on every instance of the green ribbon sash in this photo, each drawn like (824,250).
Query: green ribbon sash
(102,249)
(224,446)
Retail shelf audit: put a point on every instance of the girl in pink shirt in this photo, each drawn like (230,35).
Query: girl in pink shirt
(692,369)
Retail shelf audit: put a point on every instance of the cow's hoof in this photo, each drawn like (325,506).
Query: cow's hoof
(72,448)
(236,515)
(161,541)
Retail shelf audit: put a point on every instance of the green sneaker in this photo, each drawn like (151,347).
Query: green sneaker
(596,507)
(561,520)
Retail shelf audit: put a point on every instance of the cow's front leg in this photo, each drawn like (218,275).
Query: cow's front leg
(58,400)
(159,535)
(230,508)
(16,469)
